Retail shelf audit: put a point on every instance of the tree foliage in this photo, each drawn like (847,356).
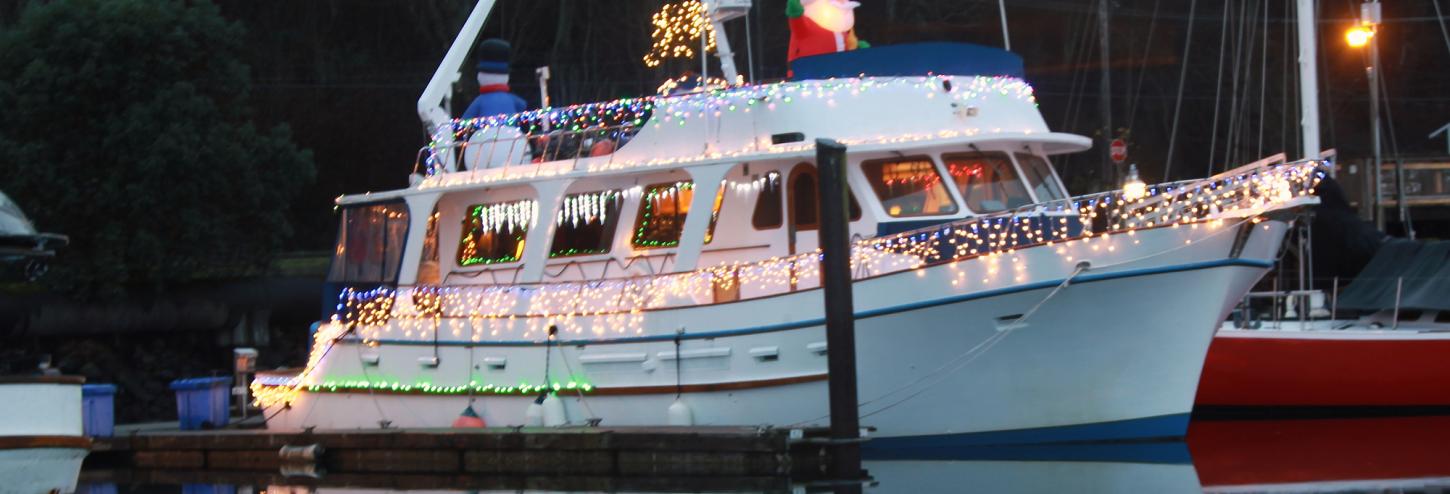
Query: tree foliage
(126,126)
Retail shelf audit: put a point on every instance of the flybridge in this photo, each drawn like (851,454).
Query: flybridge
(737,124)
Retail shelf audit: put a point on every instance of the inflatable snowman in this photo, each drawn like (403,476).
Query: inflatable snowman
(821,26)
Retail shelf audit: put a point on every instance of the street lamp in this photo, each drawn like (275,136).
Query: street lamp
(1363,36)
(1358,36)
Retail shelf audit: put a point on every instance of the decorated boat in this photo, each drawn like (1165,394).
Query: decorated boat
(655,261)
(42,442)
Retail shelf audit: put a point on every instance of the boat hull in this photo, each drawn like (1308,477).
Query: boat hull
(41,444)
(1326,368)
(1115,354)
(41,470)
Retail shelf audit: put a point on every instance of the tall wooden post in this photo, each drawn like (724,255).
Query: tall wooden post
(835,240)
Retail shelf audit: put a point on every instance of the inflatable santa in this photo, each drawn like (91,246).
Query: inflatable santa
(821,26)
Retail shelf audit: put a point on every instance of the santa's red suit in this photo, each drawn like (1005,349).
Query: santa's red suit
(808,38)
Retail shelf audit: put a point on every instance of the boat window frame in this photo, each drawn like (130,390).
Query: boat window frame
(961,194)
(937,166)
(854,210)
(613,233)
(717,205)
(1052,176)
(384,278)
(467,215)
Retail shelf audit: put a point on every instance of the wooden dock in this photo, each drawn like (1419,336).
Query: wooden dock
(575,457)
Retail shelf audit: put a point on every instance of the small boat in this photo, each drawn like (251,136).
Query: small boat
(654,261)
(42,442)
(22,246)
(1391,356)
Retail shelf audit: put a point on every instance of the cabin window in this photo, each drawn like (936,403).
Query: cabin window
(768,209)
(494,233)
(1039,176)
(987,181)
(662,212)
(803,201)
(909,187)
(370,243)
(586,223)
(428,270)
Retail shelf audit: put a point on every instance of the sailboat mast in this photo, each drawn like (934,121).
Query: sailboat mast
(1308,81)
(1105,99)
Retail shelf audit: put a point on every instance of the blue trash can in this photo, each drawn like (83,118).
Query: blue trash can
(203,402)
(98,409)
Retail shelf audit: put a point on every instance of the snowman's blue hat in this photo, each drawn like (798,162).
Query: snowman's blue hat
(493,56)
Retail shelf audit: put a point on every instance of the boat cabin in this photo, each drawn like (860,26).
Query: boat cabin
(605,191)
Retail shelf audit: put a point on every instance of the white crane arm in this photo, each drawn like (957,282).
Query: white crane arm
(430,104)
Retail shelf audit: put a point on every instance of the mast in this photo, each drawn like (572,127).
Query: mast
(1308,82)
(1105,101)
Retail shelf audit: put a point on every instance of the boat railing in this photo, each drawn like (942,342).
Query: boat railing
(505,147)
(1241,195)
(1319,301)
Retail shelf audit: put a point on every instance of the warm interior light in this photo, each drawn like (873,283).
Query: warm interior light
(1358,36)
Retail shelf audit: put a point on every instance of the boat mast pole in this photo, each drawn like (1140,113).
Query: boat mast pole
(1308,82)
(1105,101)
(432,103)
(1002,12)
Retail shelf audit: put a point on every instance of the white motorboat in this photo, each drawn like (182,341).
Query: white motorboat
(544,267)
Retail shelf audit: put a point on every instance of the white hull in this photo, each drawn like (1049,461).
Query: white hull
(41,445)
(1115,355)
(40,470)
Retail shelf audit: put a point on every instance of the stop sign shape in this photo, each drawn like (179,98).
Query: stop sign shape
(1118,150)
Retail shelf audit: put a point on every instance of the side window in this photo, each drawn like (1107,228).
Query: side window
(662,212)
(494,233)
(428,269)
(768,210)
(1039,176)
(803,201)
(370,243)
(909,187)
(987,181)
(586,224)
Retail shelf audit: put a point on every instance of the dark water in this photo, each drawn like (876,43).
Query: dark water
(1380,455)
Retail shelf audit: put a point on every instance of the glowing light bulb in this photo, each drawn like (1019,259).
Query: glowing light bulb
(1133,187)
(1358,36)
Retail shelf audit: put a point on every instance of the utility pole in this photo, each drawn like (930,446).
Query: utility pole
(840,310)
(1105,101)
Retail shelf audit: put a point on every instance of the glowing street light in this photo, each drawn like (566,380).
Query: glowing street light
(1358,36)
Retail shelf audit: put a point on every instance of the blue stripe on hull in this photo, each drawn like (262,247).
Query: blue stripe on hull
(1149,428)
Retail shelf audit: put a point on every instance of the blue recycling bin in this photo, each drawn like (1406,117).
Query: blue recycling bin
(203,402)
(98,409)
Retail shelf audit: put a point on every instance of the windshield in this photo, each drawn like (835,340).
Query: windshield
(1039,176)
(987,181)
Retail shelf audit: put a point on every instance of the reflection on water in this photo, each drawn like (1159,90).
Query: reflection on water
(1402,455)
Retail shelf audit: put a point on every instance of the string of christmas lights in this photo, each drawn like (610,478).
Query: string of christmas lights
(622,119)
(678,27)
